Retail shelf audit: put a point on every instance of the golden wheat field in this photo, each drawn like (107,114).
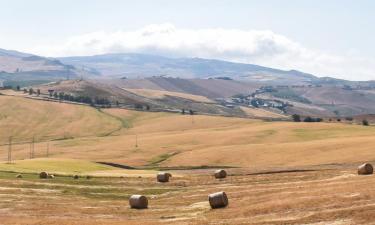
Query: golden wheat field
(279,172)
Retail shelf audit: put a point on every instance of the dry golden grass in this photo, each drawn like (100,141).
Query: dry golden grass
(23,118)
(316,197)
(158,94)
(262,113)
(327,194)
(165,139)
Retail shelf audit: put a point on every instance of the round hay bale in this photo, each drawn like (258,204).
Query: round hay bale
(220,174)
(218,200)
(19,176)
(43,175)
(75,177)
(365,169)
(51,176)
(163,177)
(138,202)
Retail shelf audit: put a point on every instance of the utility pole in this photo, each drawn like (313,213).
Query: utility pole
(32,148)
(30,152)
(10,150)
(136,140)
(47,149)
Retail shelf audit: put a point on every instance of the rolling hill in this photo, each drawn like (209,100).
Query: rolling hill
(142,65)
(24,69)
(149,139)
(120,78)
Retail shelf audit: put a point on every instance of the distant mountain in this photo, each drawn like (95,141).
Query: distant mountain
(141,65)
(24,68)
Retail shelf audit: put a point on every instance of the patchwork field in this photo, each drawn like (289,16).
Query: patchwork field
(157,94)
(279,172)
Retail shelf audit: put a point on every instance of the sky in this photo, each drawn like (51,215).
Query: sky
(323,37)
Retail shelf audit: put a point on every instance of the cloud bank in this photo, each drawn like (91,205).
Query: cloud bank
(247,46)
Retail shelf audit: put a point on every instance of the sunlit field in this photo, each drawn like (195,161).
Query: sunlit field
(279,172)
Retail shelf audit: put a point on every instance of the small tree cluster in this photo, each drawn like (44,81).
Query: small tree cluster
(365,122)
(72,98)
(296,118)
(142,107)
(312,120)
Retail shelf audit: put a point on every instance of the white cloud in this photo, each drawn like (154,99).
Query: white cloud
(248,46)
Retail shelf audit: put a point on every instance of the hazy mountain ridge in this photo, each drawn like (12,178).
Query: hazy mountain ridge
(214,79)
(133,65)
(28,68)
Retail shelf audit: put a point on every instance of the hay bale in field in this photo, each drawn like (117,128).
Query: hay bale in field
(365,169)
(19,176)
(163,177)
(218,200)
(51,176)
(43,175)
(75,177)
(138,202)
(220,174)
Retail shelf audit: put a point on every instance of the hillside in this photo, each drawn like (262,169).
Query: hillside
(142,65)
(163,139)
(24,118)
(173,94)
(17,68)
(205,86)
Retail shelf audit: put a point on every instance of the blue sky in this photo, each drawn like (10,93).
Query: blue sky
(326,37)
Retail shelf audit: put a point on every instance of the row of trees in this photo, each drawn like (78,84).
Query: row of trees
(80,98)
(183,112)
(30,91)
(309,119)
(297,118)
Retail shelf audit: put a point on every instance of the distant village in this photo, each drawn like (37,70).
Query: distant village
(251,100)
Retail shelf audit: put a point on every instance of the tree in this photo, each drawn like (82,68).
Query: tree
(296,118)
(308,119)
(55,95)
(365,122)
(191,112)
(31,91)
(138,106)
(61,95)
(183,111)
(50,93)
(38,92)
(18,88)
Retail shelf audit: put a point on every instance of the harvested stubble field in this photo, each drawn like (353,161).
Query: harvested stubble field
(317,197)
(323,189)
